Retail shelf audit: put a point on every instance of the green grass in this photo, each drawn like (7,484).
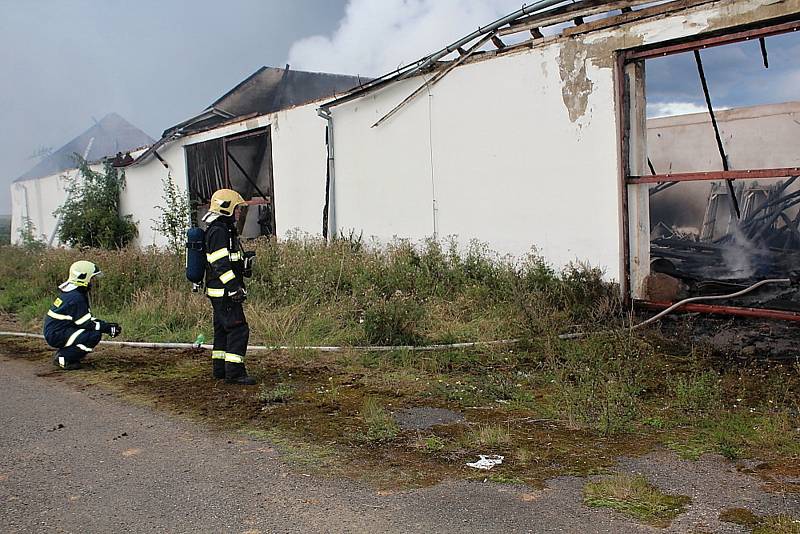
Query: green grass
(740,434)
(636,498)
(278,393)
(380,425)
(306,291)
(5,229)
(551,406)
(775,524)
(697,392)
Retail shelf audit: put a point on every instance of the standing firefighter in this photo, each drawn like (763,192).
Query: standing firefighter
(69,324)
(225,271)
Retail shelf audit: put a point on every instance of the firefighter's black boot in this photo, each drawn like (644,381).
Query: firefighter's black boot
(218,369)
(60,362)
(235,373)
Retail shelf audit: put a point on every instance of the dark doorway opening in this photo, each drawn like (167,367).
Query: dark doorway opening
(241,162)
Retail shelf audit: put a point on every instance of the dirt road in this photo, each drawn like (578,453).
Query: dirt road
(80,460)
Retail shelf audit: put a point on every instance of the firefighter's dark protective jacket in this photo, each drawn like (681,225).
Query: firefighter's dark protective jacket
(225,259)
(69,316)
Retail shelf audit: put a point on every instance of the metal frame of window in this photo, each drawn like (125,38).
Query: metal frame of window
(623,98)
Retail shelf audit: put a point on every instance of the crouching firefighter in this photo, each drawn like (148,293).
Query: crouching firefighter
(225,271)
(69,324)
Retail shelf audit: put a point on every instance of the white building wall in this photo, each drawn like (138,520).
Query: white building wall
(299,165)
(36,200)
(494,145)
(517,151)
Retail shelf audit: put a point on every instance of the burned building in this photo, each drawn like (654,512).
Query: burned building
(533,131)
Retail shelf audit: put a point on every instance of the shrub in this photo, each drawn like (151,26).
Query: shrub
(28,239)
(393,322)
(90,216)
(174,217)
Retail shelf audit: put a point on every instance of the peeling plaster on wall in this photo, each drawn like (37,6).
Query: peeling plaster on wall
(576,85)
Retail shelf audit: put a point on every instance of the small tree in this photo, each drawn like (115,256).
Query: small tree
(90,216)
(27,235)
(173,221)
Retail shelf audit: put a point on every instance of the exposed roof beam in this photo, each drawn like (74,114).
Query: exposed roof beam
(661,9)
(568,13)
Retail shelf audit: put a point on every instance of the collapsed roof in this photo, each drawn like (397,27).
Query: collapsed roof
(267,90)
(112,134)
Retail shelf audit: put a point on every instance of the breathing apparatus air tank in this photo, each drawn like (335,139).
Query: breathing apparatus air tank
(195,255)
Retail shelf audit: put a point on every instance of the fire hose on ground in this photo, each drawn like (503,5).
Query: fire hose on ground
(424,348)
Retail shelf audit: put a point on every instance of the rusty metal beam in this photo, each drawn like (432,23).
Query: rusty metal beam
(745,174)
(647,12)
(726,310)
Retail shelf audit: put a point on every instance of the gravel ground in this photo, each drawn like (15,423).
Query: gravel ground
(80,460)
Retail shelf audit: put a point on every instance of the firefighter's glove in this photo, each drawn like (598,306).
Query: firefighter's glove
(238,296)
(249,260)
(113,329)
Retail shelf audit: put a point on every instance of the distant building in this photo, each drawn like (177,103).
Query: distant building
(39,192)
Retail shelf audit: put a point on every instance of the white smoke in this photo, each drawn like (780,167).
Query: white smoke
(375,37)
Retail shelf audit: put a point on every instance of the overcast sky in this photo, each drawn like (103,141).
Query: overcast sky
(157,62)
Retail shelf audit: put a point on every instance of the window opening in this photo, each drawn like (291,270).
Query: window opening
(711,168)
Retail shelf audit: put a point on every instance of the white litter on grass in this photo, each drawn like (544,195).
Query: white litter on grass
(486,462)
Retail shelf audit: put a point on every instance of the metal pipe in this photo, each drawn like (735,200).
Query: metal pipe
(329,212)
(735,311)
(430,83)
